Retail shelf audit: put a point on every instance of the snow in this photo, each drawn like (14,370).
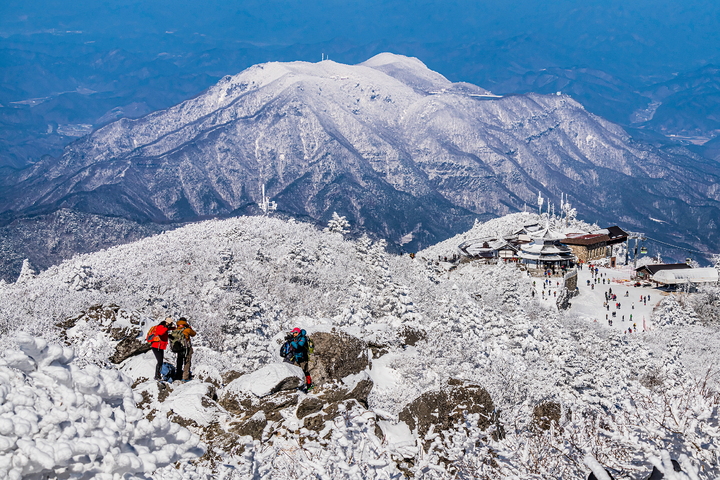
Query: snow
(399,438)
(244,282)
(140,367)
(185,400)
(588,305)
(266,380)
(56,418)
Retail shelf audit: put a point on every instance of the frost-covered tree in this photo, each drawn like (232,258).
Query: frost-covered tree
(81,278)
(338,224)
(27,272)
(374,296)
(247,330)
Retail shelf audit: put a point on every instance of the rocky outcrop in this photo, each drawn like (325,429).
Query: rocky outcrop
(339,391)
(270,379)
(116,324)
(258,398)
(129,347)
(409,336)
(308,406)
(337,355)
(444,408)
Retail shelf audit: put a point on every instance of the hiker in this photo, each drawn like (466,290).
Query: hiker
(158,338)
(300,356)
(181,344)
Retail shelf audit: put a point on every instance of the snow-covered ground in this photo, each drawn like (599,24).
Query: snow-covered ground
(625,402)
(636,303)
(590,303)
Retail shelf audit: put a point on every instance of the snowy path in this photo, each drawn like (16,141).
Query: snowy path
(589,304)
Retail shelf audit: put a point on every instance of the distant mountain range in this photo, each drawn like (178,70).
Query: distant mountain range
(394,146)
(56,85)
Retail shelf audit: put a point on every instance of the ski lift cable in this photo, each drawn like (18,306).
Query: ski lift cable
(679,247)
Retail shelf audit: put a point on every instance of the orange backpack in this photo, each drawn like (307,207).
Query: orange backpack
(151,337)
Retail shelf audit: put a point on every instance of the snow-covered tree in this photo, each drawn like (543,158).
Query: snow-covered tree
(338,224)
(27,272)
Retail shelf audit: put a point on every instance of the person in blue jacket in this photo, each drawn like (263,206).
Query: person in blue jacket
(299,344)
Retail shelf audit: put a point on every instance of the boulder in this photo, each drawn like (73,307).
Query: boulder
(337,355)
(244,405)
(356,387)
(409,336)
(308,406)
(253,426)
(129,347)
(446,407)
(268,390)
(271,378)
(317,421)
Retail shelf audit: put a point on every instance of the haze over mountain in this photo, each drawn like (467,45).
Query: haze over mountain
(397,148)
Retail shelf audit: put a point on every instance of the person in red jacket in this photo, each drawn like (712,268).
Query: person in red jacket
(159,342)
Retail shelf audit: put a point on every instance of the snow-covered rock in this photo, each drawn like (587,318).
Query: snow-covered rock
(270,379)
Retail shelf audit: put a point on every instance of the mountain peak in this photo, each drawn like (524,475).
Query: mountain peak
(388,58)
(409,70)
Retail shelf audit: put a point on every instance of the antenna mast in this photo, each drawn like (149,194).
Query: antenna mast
(266,205)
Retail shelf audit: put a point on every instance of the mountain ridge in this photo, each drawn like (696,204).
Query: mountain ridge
(389,133)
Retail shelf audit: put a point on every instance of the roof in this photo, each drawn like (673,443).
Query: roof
(615,232)
(545,258)
(587,239)
(545,249)
(691,275)
(483,246)
(654,268)
(547,235)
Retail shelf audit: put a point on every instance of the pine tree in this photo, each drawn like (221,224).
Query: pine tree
(338,224)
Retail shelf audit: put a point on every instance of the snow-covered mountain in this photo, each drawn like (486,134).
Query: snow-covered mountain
(393,146)
(427,372)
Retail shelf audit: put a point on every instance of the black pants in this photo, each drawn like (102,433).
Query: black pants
(159,354)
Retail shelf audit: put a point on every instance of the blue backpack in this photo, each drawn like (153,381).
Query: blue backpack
(167,372)
(286,350)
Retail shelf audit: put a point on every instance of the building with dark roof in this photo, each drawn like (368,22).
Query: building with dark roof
(647,271)
(595,246)
(490,249)
(588,247)
(616,234)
